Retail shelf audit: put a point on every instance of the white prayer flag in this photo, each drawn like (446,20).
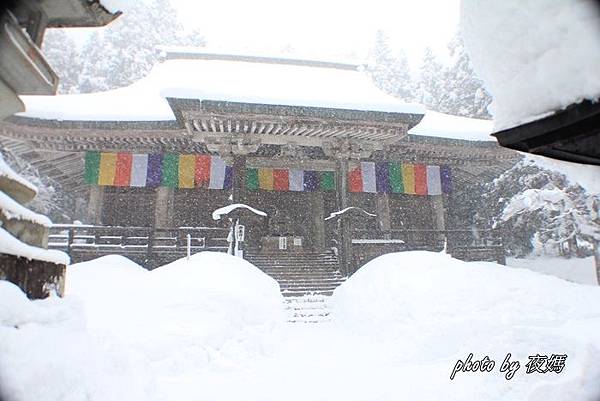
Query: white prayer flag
(434,182)
(217,173)
(368,176)
(139,170)
(296,178)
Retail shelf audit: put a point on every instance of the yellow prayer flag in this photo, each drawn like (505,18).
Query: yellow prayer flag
(265,178)
(187,169)
(108,166)
(408,178)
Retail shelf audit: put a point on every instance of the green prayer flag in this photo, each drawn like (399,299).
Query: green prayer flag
(327,181)
(92,167)
(252,179)
(396,183)
(170,170)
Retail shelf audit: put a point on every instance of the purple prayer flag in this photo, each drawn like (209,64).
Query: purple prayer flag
(311,181)
(228,181)
(446,178)
(382,177)
(154,175)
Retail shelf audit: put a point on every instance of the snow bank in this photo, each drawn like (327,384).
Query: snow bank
(180,315)
(535,57)
(46,353)
(431,309)
(447,126)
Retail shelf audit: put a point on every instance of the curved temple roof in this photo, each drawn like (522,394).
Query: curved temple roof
(221,77)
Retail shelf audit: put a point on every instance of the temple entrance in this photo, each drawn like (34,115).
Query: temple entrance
(294,222)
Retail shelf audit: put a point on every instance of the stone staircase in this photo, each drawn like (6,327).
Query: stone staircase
(306,279)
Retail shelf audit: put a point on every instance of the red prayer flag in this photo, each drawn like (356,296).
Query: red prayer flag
(420,179)
(281,180)
(355,181)
(123,170)
(202,173)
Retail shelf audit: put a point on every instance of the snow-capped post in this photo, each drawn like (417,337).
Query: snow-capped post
(189,246)
(236,230)
(344,229)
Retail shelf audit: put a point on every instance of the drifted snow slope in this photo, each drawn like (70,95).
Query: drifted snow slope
(399,326)
(429,310)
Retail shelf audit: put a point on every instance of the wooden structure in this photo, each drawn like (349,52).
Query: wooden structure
(318,139)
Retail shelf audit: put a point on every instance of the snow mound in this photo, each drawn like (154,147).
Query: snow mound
(46,353)
(432,309)
(535,57)
(181,314)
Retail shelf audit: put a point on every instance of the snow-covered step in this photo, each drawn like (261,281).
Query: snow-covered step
(308,309)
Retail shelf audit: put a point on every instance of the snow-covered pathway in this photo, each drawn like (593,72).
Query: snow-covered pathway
(305,362)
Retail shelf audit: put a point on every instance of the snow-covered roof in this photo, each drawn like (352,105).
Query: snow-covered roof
(535,57)
(454,127)
(214,76)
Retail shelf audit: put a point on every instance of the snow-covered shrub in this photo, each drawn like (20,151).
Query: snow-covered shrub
(540,210)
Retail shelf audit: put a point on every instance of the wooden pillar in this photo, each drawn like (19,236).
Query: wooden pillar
(239,179)
(318,219)
(437,206)
(345,248)
(95,203)
(163,208)
(382,207)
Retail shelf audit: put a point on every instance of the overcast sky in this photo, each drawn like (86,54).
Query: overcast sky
(336,28)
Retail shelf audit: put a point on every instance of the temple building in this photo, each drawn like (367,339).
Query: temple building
(332,161)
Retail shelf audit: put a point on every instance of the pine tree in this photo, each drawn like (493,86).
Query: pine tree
(389,70)
(542,212)
(63,55)
(125,50)
(464,92)
(430,87)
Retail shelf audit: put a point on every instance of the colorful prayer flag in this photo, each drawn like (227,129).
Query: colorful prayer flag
(187,171)
(108,165)
(408,178)
(265,178)
(396,182)
(420,171)
(170,170)
(252,179)
(281,180)
(92,167)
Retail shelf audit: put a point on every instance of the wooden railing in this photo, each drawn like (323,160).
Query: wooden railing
(469,245)
(434,238)
(142,244)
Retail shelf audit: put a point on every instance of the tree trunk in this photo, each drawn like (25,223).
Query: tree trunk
(597,259)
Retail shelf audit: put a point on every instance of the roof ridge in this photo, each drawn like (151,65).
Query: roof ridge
(262,59)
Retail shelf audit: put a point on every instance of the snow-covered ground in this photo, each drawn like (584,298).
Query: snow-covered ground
(576,270)
(213,328)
